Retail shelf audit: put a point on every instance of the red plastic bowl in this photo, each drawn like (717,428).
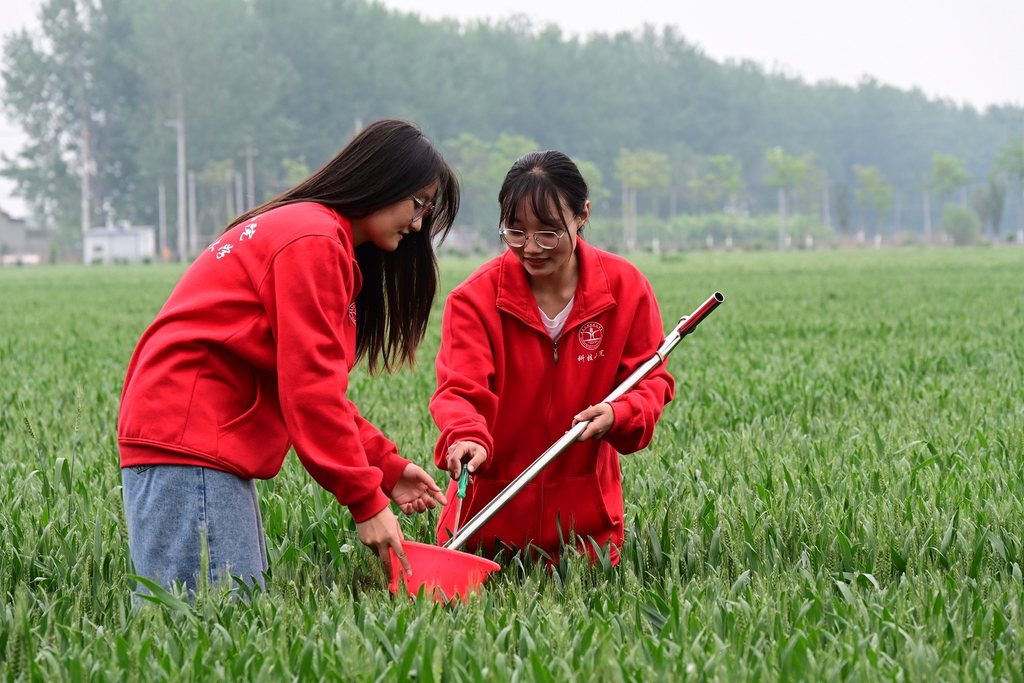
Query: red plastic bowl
(442,573)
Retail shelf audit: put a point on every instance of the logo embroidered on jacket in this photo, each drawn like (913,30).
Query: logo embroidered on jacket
(249,231)
(352,313)
(591,335)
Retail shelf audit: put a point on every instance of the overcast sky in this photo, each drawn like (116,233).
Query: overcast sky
(968,51)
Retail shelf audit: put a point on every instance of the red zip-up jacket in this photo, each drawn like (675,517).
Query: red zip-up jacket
(504,384)
(251,354)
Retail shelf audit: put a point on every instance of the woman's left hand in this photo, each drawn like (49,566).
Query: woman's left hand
(416,491)
(601,417)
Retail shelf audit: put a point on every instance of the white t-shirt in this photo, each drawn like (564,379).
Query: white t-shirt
(555,325)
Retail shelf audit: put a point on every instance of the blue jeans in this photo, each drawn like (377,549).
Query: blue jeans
(174,510)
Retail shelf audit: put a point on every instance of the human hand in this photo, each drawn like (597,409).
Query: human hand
(416,491)
(381,533)
(602,419)
(469,452)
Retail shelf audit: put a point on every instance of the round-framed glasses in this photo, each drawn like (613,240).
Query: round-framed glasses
(423,209)
(517,239)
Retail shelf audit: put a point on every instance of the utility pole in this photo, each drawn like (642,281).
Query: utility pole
(826,209)
(239,199)
(193,229)
(178,125)
(782,217)
(229,199)
(161,196)
(926,209)
(86,208)
(250,181)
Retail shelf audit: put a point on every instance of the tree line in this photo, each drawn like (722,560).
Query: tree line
(185,112)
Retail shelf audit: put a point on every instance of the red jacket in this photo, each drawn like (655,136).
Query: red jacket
(503,383)
(251,354)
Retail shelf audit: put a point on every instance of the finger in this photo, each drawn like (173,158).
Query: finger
(406,508)
(397,547)
(585,414)
(439,497)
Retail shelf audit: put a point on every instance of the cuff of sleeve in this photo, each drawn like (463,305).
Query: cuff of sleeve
(622,413)
(368,507)
(488,448)
(392,466)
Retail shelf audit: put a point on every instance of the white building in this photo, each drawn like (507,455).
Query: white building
(21,245)
(121,244)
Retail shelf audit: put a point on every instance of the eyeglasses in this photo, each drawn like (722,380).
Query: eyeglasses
(423,209)
(517,239)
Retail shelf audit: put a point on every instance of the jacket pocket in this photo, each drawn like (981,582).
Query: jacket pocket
(235,422)
(256,441)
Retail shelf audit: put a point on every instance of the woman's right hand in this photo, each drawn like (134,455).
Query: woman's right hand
(380,533)
(469,452)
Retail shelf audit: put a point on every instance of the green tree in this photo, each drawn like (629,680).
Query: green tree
(265,80)
(873,192)
(685,168)
(786,173)
(639,170)
(722,184)
(50,89)
(482,166)
(599,194)
(961,224)
(988,202)
(199,55)
(947,175)
(842,208)
(1011,164)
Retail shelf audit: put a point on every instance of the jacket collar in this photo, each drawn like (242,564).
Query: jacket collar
(593,291)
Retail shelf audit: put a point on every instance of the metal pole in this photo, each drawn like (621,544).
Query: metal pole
(193,223)
(250,179)
(161,203)
(178,125)
(86,192)
(686,326)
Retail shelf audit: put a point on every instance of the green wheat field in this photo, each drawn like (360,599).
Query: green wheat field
(837,493)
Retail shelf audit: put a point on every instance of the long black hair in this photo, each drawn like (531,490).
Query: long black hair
(387,162)
(550,180)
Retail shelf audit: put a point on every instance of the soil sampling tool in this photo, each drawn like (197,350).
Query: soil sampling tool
(460,496)
(444,571)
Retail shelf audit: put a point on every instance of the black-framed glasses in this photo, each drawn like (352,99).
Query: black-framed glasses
(423,209)
(517,239)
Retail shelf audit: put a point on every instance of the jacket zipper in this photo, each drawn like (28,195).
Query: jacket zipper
(542,477)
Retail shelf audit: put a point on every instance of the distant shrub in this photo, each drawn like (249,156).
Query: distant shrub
(710,230)
(961,224)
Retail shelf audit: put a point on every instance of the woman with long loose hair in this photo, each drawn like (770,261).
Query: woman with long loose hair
(252,351)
